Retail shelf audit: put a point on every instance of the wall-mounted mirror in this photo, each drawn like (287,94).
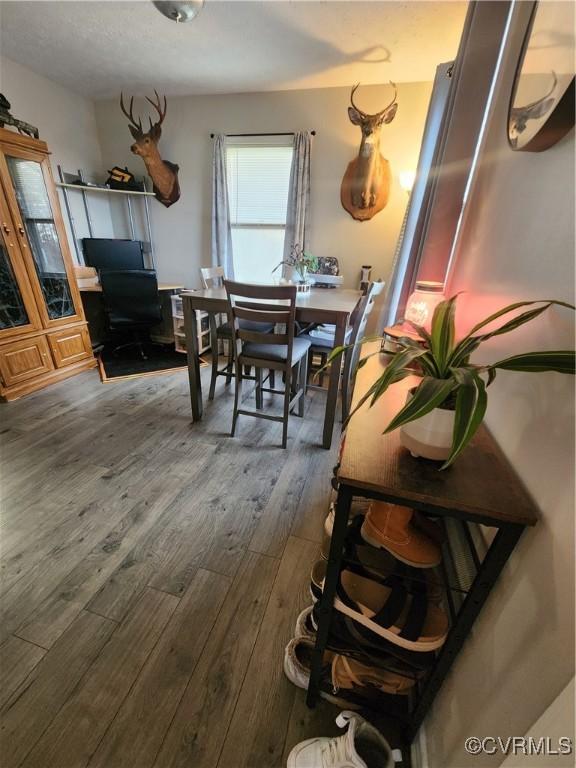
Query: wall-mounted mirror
(542,104)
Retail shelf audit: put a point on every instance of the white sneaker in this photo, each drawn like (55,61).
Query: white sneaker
(305,625)
(361,747)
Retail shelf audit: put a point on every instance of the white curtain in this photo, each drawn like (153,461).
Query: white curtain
(298,195)
(221,230)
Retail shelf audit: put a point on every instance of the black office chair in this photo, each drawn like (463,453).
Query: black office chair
(132,304)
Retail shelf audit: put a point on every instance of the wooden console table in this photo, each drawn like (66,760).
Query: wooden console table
(480,502)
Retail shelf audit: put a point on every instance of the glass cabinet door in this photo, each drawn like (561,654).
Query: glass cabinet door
(38,218)
(17,307)
(13,312)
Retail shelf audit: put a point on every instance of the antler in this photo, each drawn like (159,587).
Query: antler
(130,114)
(525,108)
(352,100)
(157,107)
(382,111)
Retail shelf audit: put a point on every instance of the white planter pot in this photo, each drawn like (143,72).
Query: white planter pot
(429,436)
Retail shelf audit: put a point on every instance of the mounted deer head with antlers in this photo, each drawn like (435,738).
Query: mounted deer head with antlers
(366,184)
(163,173)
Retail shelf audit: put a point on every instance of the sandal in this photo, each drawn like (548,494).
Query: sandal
(376,564)
(361,560)
(389,610)
(352,639)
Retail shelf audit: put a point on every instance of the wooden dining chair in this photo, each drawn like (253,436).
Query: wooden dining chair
(352,355)
(273,305)
(321,347)
(213,277)
(220,330)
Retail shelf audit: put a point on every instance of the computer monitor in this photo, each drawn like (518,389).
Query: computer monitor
(108,254)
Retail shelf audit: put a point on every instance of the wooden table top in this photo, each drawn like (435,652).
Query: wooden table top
(481,483)
(333,300)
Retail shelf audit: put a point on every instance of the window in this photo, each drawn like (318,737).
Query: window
(258,180)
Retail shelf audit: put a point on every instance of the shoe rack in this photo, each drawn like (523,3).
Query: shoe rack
(480,506)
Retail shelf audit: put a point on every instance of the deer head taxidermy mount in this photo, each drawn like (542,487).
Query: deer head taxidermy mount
(366,184)
(163,173)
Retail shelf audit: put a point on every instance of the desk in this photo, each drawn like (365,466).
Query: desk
(94,311)
(317,306)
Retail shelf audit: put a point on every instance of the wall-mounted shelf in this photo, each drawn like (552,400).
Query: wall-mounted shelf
(91,188)
(76,182)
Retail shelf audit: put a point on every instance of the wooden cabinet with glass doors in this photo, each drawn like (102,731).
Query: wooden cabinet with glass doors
(43,332)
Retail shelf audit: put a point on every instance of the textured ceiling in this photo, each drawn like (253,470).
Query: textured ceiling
(97,48)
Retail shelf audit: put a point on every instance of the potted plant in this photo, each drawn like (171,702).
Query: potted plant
(299,262)
(443,412)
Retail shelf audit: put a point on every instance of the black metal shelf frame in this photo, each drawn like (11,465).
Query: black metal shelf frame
(458,577)
(470,567)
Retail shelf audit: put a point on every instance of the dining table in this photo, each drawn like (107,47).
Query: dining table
(318,305)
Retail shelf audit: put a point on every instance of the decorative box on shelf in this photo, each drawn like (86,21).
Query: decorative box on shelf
(203,320)
(326,281)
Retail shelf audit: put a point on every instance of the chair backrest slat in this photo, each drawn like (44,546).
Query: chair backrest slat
(264,292)
(263,338)
(352,357)
(212,277)
(281,315)
(261,308)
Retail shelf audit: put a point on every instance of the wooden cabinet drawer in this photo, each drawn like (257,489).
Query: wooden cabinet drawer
(23,360)
(70,345)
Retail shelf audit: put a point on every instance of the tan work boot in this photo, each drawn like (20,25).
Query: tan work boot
(389,527)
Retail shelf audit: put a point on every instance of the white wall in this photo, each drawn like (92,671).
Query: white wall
(517,243)
(67,123)
(182,232)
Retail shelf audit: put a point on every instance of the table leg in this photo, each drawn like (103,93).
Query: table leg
(191,329)
(333,384)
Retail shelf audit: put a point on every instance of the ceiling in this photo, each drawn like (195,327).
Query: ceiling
(99,48)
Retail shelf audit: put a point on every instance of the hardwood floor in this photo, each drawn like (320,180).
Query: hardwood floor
(151,575)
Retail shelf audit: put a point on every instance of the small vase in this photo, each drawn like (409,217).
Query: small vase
(430,436)
(301,274)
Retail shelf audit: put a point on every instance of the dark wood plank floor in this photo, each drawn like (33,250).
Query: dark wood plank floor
(152,572)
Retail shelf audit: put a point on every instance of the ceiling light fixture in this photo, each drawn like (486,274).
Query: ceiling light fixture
(180,12)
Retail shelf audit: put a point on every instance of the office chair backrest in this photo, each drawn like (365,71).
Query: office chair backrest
(131,294)
(212,277)
(352,357)
(261,304)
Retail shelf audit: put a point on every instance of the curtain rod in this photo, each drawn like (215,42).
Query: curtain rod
(239,135)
